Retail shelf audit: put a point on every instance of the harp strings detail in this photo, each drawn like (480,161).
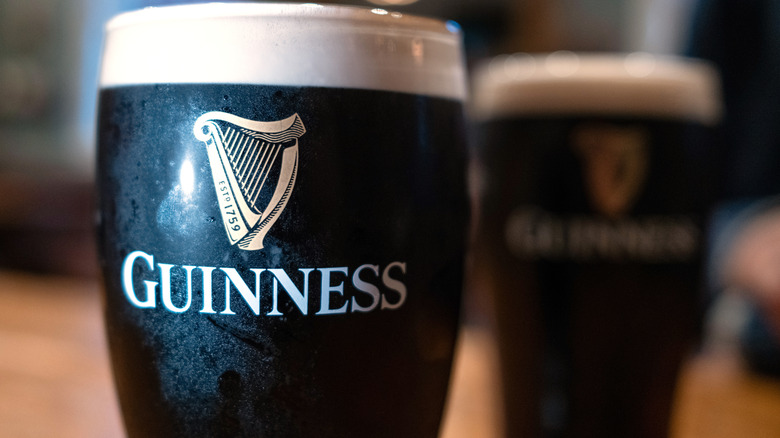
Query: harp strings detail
(254,165)
(251,161)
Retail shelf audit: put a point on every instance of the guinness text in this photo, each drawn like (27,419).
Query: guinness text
(148,284)
(533,233)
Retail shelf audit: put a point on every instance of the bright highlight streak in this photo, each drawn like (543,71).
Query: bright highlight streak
(187,178)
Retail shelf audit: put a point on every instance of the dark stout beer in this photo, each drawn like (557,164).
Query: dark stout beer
(282,219)
(596,182)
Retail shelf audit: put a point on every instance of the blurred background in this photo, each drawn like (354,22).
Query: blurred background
(49,59)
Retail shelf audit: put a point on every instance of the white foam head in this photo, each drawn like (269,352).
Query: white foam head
(565,83)
(284,44)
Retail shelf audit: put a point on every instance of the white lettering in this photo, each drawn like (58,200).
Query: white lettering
(371,287)
(395,285)
(327,288)
(301,299)
(253,300)
(165,279)
(207,292)
(364,286)
(127,280)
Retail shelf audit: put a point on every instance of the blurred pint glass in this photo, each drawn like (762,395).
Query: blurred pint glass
(281,219)
(596,180)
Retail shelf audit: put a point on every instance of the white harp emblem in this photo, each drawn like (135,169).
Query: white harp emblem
(254,166)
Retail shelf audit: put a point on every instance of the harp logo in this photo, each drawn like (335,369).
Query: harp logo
(615,164)
(254,165)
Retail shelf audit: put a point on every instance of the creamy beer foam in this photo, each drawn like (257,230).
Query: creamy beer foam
(565,83)
(284,44)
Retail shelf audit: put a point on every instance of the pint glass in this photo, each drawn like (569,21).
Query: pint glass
(282,219)
(597,175)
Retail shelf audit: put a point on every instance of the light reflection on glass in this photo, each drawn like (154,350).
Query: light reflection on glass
(187,178)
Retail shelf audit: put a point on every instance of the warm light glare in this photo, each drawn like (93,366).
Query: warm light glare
(418,51)
(640,64)
(392,2)
(562,63)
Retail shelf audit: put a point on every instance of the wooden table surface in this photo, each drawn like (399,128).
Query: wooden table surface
(55,380)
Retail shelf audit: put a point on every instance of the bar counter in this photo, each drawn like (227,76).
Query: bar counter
(55,379)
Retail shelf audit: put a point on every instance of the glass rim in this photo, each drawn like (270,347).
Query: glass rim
(379,17)
(287,45)
(569,83)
